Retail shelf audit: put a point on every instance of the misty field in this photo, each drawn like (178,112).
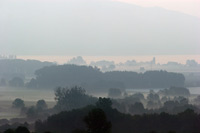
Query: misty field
(31,96)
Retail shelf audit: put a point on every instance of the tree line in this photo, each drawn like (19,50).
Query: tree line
(92,78)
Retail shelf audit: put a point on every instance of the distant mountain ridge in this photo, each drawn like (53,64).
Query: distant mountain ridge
(93,27)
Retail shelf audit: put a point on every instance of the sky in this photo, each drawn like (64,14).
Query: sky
(99,27)
(191,7)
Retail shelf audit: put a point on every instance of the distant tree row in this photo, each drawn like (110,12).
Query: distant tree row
(14,82)
(175,91)
(93,78)
(155,103)
(10,69)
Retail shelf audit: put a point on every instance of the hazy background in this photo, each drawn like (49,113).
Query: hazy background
(99,27)
(191,7)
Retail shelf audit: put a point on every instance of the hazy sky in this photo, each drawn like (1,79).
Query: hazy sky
(191,7)
(99,27)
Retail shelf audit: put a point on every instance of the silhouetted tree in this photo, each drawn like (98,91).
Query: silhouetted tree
(9,131)
(73,98)
(104,103)
(21,129)
(41,105)
(18,103)
(97,122)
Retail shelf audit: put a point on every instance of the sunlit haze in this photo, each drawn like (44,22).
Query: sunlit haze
(99,66)
(99,28)
(191,7)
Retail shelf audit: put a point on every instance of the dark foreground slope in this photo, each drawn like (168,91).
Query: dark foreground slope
(68,121)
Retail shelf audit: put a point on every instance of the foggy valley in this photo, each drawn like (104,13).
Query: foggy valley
(99,66)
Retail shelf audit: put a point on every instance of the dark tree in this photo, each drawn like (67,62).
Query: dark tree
(9,131)
(18,103)
(97,122)
(73,98)
(21,129)
(41,105)
(104,103)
